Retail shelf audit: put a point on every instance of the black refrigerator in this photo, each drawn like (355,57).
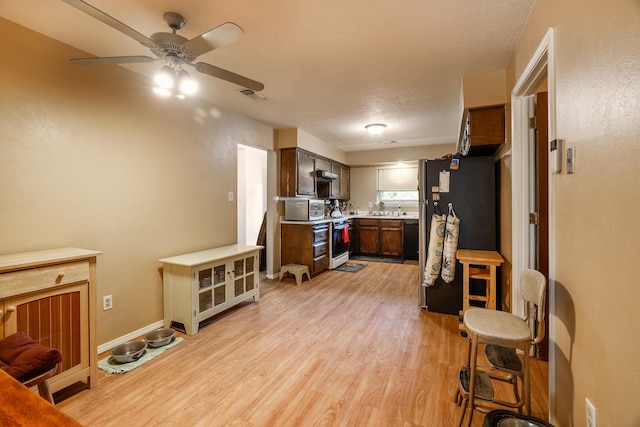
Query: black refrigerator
(469,184)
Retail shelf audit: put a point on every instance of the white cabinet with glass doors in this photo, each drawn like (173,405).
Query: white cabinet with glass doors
(202,284)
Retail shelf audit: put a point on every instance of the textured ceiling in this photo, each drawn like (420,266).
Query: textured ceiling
(329,66)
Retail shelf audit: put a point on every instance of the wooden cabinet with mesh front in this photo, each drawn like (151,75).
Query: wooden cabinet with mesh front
(51,296)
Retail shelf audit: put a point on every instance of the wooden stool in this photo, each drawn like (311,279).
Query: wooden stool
(488,260)
(297,270)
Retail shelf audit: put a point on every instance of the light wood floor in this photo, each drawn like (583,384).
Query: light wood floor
(345,349)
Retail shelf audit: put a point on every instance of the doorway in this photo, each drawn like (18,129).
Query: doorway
(252,193)
(525,183)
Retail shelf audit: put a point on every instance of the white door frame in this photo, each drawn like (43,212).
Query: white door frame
(539,68)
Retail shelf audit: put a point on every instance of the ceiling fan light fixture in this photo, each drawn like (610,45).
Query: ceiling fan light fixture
(375,128)
(164,78)
(186,84)
(161,91)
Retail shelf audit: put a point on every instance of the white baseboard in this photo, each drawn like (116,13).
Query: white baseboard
(130,336)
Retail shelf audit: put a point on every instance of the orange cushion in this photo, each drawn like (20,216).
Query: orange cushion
(24,358)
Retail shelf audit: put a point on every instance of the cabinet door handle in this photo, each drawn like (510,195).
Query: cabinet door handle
(11,309)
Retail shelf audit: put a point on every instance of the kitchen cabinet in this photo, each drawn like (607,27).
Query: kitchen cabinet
(369,236)
(298,176)
(297,173)
(381,237)
(482,131)
(391,237)
(306,244)
(202,284)
(345,183)
(340,187)
(51,296)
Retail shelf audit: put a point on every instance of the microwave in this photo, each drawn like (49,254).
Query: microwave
(303,210)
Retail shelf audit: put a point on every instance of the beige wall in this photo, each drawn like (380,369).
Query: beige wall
(401,154)
(597,228)
(484,89)
(91,158)
(287,138)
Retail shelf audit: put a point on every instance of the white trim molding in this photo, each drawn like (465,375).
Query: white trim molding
(540,67)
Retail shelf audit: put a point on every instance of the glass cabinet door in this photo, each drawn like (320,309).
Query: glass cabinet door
(244,275)
(249,262)
(211,287)
(219,294)
(204,289)
(238,284)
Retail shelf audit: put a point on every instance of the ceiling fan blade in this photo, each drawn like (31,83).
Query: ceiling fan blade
(228,76)
(112,22)
(220,36)
(112,60)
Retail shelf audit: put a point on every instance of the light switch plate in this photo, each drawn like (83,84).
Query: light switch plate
(571,160)
(231,196)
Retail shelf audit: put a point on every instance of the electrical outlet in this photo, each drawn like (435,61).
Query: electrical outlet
(370,205)
(591,413)
(107,302)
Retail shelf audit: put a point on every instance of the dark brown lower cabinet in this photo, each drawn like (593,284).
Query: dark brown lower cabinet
(306,244)
(391,232)
(369,236)
(382,237)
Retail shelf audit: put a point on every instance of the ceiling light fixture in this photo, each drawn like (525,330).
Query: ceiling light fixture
(174,82)
(375,128)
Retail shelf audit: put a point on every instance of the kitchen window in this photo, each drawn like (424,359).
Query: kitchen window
(398,185)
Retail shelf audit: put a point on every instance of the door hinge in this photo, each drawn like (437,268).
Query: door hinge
(533,122)
(533,218)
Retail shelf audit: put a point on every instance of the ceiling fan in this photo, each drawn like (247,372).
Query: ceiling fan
(174,49)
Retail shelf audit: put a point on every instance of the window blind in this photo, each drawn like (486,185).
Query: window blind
(398,179)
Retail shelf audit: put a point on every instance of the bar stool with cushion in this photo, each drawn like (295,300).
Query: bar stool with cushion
(506,332)
(29,362)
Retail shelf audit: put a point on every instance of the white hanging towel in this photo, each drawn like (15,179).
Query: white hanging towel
(450,246)
(434,253)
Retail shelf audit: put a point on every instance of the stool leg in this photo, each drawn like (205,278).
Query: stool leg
(298,278)
(463,411)
(472,379)
(527,380)
(45,392)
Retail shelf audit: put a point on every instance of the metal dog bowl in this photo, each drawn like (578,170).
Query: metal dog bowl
(128,352)
(514,422)
(503,418)
(159,337)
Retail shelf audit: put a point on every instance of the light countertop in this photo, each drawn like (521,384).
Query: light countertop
(342,218)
